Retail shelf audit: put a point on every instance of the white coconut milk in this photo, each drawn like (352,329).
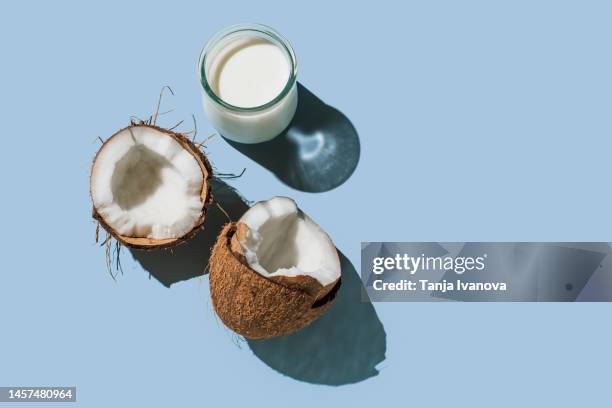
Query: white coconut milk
(252,78)
(249,72)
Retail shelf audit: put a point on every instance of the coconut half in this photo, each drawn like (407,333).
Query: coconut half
(150,187)
(274,271)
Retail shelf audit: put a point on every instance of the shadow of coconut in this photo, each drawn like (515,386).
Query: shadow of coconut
(137,176)
(189,260)
(343,346)
(317,152)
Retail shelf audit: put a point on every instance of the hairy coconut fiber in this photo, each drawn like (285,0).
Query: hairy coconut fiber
(256,306)
(205,193)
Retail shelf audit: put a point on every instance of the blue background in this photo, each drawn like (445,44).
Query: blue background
(478,120)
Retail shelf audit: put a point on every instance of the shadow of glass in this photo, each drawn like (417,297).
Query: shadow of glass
(317,152)
(190,259)
(343,346)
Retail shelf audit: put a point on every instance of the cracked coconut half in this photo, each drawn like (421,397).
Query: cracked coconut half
(150,186)
(274,271)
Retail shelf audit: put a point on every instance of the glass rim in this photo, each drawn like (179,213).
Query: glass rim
(250,27)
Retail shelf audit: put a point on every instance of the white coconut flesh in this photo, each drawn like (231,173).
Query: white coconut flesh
(145,184)
(283,241)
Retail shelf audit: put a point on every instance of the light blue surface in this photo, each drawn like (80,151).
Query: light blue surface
(477,120)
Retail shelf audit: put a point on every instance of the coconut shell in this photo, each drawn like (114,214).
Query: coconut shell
(258,307)
(205,194)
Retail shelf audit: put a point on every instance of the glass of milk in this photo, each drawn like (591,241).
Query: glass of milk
(249,76)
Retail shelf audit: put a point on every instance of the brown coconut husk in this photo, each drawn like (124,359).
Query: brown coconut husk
(258,307)
(206,195)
